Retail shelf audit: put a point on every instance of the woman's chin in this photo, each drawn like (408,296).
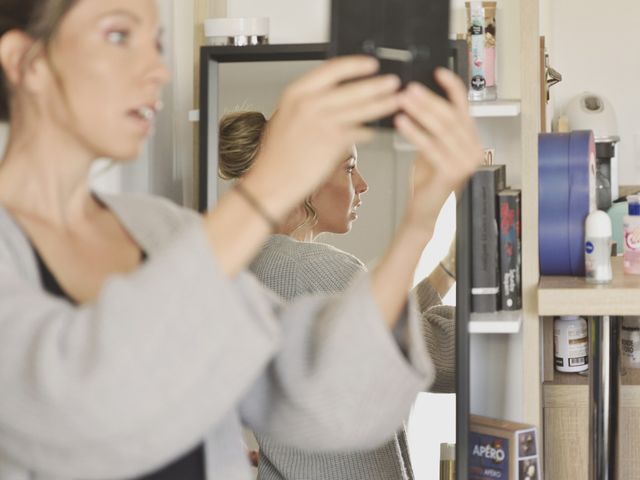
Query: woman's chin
(125,155)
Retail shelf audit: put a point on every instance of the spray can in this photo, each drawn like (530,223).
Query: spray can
(481,31)
(597,248)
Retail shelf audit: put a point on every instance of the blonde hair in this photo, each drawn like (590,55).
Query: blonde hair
(239,141)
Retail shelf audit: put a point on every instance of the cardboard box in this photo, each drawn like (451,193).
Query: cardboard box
(503,450)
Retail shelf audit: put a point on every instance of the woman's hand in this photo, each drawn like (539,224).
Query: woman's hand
(449,152)
(449,148)
(319,118)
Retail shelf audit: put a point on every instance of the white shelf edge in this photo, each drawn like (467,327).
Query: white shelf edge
(495,108)
(498,322)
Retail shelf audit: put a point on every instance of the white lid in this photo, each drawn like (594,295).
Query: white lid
(234,27)
(598,224)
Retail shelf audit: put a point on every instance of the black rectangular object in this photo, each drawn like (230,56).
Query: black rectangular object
(510,250)
(485,267)
(409,37)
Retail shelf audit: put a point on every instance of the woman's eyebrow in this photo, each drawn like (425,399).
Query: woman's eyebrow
(122,13)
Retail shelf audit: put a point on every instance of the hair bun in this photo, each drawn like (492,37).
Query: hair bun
(239,142)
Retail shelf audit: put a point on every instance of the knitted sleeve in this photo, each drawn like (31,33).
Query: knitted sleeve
(439,330)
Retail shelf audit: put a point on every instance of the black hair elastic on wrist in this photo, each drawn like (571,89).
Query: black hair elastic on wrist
(446,270)
(251,200)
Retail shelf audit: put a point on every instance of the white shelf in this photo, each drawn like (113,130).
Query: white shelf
(495,108)
(498,322)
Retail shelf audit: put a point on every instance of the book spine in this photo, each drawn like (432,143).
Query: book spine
(485,268)
(510,251)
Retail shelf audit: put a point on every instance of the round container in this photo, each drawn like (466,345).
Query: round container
(237,31)
(630,342)
(571,346)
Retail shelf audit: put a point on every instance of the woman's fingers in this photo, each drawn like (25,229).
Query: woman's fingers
(435,118)
(454,88)
(331,73)
(353,94)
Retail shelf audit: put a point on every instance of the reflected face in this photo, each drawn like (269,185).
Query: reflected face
(106,76)
(338,199)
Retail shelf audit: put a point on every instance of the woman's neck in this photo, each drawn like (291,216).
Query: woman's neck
(44,174)
(302,235)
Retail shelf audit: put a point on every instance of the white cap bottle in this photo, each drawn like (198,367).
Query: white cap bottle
(597,247)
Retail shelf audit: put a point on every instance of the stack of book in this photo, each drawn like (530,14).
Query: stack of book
(496,252)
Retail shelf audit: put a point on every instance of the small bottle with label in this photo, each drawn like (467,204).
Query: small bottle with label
(631,227)
(630,342)
(570,341)
(447,461)
(597,248)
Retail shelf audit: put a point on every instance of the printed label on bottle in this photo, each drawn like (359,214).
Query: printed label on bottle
(632,238)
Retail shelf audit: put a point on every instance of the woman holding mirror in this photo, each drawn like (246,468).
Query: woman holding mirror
(293,264)
(129,333)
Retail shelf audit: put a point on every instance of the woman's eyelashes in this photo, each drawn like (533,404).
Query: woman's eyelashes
(122,37)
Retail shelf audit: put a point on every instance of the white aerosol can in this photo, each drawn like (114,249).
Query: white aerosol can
(597,248)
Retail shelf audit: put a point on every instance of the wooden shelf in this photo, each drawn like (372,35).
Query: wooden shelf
(495,108)
(575,396)
(560,378)
(628,377)
(498,322)
(574,296)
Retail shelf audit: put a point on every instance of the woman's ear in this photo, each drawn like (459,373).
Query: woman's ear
(24,62)
(14,47)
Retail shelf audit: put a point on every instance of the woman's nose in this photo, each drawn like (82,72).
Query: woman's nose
(362,185)
(159,72)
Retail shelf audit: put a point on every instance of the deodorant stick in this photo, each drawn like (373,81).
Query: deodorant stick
(597,248)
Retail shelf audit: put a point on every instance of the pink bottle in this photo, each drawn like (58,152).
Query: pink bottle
(631,225)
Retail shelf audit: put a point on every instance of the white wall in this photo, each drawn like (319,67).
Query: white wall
(165,167)
(593,44)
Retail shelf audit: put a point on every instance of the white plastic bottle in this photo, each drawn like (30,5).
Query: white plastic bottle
(631,226)
(630,342)
(597,248)
(571,344)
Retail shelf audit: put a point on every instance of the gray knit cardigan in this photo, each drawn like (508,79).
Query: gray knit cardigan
(176,353)
(293,269)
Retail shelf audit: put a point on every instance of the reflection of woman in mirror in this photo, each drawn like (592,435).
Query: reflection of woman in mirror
(292,263)
(131,338)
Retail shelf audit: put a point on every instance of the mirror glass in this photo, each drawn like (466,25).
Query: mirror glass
(257,87)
